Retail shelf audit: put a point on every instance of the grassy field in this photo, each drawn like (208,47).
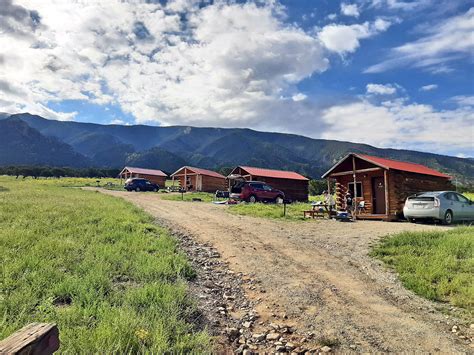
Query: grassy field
(438,265)
(294,211)
(188,196)
(95,265)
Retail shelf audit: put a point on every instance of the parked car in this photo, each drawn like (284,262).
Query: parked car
(253,191)
(140,184)
(444,206)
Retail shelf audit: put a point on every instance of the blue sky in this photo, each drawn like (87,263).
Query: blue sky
(391,73)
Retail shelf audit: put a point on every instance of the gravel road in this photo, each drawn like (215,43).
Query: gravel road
(317,277)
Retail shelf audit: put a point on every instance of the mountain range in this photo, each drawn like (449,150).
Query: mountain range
(33,140)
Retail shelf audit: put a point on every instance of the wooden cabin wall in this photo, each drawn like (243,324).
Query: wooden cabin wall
(342,183)
(160,180)
(405,184)
(212,183)
(295,190)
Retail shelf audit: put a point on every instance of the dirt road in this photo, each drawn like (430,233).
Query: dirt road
(317,275)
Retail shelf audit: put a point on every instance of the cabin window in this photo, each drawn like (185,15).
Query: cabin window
(358,187)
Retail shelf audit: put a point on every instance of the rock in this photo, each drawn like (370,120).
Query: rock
(280,348)
(246,352)
(241,348)
(325,349)
(290,346)
(471,326)
(247,324)
(273,336)
(233,333)
(258,336)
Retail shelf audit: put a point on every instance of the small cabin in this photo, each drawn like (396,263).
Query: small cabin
(197,179)
(380,186)
(293,185)
(155,176)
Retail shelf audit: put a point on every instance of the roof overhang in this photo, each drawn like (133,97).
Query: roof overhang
(327,173)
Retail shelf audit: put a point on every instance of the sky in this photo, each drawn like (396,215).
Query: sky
(390,73)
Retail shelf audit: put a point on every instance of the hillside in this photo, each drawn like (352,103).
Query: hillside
(23,145)
(170,147)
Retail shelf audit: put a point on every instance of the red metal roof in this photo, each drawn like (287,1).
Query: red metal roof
(201,172)
(145,171)
(278,174)
(403,166)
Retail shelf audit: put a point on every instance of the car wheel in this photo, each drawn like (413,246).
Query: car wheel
(448,218)
(155,189)
(279,200)
(252,199)
(411,220)
(137,189)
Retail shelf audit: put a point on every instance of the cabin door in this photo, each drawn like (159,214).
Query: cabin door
(378,195)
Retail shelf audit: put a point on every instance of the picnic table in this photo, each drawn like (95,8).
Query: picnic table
(318,210)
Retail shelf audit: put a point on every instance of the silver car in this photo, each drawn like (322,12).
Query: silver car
(445,206)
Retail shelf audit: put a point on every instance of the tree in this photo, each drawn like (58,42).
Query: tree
(316,187)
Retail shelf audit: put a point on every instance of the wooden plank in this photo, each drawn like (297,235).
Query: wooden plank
(35,338)
(357,172)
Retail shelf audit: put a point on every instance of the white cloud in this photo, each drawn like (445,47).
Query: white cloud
(464,100)
(222,64)
(345,38)
(430,87)
(380,89)
(397,124)
(119,122)
(331,17)
(443,43)
(350,10)
(400,5)
(299,97)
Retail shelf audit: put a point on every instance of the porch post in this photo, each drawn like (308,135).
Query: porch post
(185,179)
(387,199)
(354,199)
(329,186)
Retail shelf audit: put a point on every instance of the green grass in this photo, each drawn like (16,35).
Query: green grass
(188,196)
(438,265)
(97,266)
(65,182)
(294,211)
(469,195)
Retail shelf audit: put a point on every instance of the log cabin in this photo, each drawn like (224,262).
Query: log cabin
(380,186)
(197,179)
(155,176)
(293,185)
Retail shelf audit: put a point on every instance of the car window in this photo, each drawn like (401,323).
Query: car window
(267,188)
(148,183)
(462,198)
(451,197)
(257,186)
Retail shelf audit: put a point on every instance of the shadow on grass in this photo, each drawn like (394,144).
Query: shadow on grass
(3,189)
